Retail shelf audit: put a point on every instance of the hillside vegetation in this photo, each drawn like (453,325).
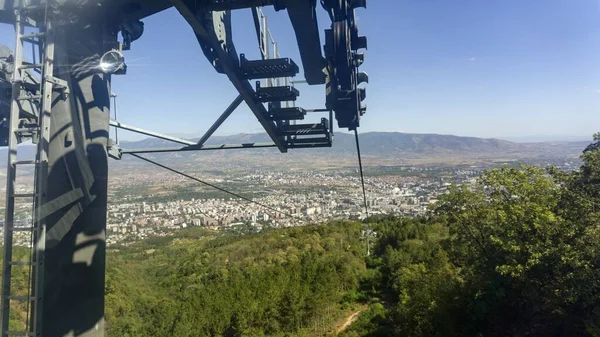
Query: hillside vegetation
(287,281)
(516,254)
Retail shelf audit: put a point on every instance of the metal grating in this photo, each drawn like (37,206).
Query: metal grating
(276,94)
(282,114)
(269,68)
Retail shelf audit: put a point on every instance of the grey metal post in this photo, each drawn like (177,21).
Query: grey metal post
(119,125)
(41,187)
(114,97)
(293,102)
(286,82)
(267,52)
(276,55)
(74,268)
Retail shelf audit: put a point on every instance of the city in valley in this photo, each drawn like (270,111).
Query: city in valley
(146,201)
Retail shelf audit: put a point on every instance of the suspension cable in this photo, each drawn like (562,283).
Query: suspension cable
(362,181)
(362,177)
(213,186)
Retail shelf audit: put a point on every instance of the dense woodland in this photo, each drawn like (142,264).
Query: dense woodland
(296,280)
(518,254)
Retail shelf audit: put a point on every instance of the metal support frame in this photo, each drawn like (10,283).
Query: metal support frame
(75,256)
(10,181)
(114,97)
(194,146)
(302,15)
(228,62)
(191,146)
(203,148)
(45,41)
(304,20)
(264,39)
(150,133)
(230,109)
(42,171)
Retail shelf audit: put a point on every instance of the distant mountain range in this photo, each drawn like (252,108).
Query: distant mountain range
(548,138)
(375,143)
(387,146)
(391,143)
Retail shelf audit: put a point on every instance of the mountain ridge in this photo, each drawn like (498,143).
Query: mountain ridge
(385,143)
(387,146)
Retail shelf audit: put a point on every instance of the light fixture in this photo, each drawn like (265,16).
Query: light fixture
(112,62)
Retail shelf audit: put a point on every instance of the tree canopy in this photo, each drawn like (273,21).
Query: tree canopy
(517,254)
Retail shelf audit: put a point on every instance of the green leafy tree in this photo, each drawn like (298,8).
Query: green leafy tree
(523,261)
(269,284)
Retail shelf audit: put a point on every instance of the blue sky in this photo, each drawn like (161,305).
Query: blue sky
(494,68)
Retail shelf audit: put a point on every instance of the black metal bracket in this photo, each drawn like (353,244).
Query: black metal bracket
(213,31)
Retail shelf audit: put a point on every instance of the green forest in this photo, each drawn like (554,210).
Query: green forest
(293,281)
(516,254)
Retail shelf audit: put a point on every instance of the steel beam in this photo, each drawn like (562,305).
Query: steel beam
(256,20)
(150,133)
(203,148)
(310,146)
(228,62)
(303,16)
(236,102)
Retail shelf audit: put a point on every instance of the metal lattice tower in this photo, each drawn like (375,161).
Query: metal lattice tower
(36,128)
